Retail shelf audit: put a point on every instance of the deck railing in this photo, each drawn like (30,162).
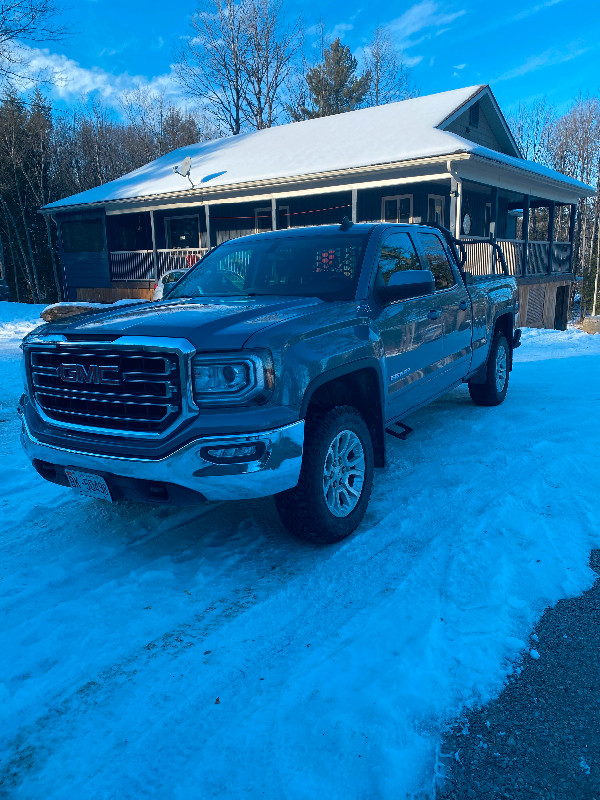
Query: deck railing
(138,265)
(482,259)
(541,260)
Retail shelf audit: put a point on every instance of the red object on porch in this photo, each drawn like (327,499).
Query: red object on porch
(192,259)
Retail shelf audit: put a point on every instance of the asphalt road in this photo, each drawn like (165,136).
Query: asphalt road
(540,740)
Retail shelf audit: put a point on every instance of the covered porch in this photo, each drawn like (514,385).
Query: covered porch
(535,234)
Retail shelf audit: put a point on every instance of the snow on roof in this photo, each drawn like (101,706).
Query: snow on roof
(379,135)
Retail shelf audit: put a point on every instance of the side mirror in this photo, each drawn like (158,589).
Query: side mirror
(468,278)
(405,285)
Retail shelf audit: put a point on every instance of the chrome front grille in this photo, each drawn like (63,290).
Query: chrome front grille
(105,387)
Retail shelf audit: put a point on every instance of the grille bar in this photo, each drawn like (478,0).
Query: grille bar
(106,387)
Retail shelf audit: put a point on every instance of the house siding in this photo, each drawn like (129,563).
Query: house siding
(483,134)
(84,270)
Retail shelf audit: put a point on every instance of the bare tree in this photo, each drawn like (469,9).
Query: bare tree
(21,22)
(271,49)
(532,126)
(211,64)
(390,78)
(575,146)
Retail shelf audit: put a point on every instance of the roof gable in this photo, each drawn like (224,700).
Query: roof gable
(492,131)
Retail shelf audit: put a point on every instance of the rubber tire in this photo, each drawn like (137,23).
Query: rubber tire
(303,509)
(486,394)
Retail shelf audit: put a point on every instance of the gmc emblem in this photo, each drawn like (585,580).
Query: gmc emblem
(77,373)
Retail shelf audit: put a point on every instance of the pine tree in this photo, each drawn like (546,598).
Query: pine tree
(332,85)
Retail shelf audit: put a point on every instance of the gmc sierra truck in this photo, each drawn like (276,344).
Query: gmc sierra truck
(275,366)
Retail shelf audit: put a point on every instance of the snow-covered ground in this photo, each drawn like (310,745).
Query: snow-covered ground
(202,652)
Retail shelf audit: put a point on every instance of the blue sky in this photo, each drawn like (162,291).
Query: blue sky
(524,50)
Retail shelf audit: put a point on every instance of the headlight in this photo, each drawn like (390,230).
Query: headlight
(235,378)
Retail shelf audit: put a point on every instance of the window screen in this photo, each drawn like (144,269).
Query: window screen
(437,261)
(397,254)
(82,236)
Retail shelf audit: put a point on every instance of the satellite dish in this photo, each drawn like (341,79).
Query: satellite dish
(184,168)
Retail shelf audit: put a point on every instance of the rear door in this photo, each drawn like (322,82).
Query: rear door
(455,306)
(411,331)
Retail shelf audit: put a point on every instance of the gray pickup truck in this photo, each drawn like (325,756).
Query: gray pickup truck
(275,366)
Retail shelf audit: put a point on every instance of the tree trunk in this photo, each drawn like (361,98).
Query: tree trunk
(53,257)
(14,261)
(32,285)
(29,247)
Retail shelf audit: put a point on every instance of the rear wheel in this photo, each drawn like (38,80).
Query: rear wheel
(335,481)
(493,391)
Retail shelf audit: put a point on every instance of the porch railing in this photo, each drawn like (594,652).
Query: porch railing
(541,260)
(138,265)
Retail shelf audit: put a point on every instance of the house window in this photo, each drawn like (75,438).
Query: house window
(435,209)
(263,220)
(474,115)
(182,232)
(397,208)
(82,236)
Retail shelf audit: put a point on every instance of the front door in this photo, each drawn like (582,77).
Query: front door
(411,332)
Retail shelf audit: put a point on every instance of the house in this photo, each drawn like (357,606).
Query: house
(448,158)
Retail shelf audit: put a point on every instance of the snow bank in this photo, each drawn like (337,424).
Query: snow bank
(17,319)
(540,345)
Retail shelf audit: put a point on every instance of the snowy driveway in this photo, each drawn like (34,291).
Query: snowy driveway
(153,652)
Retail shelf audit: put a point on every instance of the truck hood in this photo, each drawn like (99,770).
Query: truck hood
(213,324)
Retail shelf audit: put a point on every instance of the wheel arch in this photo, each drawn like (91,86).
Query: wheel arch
(358,384)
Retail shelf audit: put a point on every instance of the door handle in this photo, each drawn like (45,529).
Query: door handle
(433,314)
(464,305)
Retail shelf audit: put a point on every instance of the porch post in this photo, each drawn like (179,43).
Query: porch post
(455,204)
(572,233)
(494,213)
(354,205)
(273,214)
(208,232)
(525,234)
(551,215)
(154,250)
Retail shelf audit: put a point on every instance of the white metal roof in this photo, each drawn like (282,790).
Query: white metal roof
(391,133)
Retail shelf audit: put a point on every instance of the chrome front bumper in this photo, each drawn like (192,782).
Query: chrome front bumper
(275,471)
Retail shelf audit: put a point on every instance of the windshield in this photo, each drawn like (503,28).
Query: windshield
(327,267)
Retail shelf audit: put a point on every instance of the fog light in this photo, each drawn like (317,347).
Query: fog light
(233,454)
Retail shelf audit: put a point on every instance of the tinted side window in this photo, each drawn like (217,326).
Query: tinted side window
(437,261)
(397,254)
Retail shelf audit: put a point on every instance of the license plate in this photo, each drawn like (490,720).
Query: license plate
(88,484)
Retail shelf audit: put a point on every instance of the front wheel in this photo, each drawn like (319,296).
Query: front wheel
(493,391)
(335,480)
